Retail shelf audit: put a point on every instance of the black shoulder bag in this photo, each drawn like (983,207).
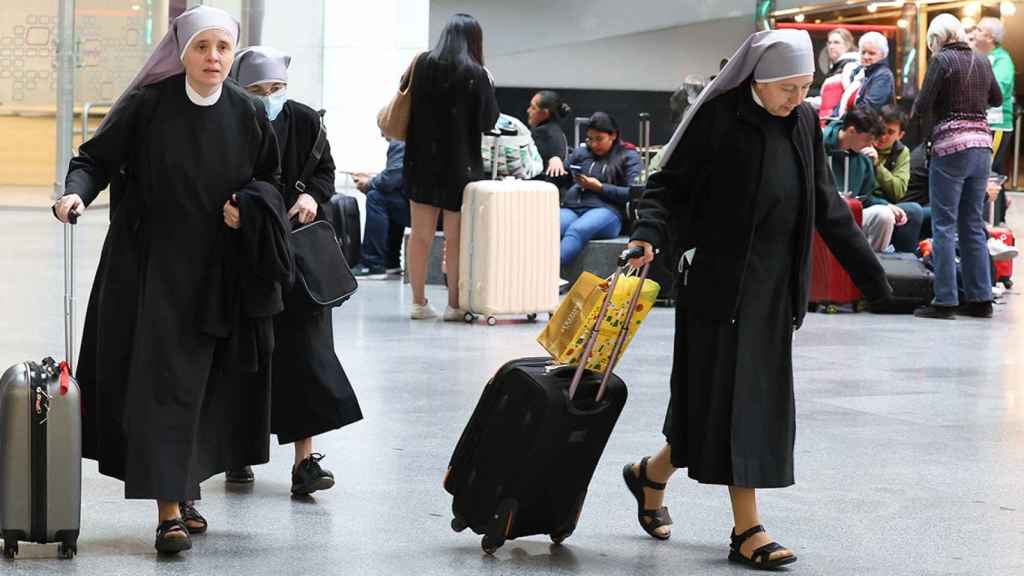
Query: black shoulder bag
(324,279)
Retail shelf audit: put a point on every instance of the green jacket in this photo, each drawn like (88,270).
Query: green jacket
(892,174)
(1002,67)
(862,171)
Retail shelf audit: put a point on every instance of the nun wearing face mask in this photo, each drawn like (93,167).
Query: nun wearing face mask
(174,363)
(748,151)
(310,392)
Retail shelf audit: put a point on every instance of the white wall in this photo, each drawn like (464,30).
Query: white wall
(656,60)
(367,46)
(296,28)
(606,46)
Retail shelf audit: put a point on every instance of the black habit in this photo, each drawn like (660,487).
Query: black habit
(451,108)
(174,376)
(311,393)
(746,190)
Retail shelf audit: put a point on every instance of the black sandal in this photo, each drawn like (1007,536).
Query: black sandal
(760,558)
(193,520)
(167,544)
(650,520)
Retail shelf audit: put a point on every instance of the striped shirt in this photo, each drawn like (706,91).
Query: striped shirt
(958,90)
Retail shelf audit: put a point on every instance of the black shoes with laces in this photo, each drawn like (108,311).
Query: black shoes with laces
(309,477)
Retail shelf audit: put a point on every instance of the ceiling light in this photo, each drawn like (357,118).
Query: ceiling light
(1008,8)
(799,18)
(972,9)
(872,8)
(902,23)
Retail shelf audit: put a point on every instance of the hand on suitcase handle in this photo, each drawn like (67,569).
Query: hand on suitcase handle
(68,208)
(638,253)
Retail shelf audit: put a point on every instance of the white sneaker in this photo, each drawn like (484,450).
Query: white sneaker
(999,251)
(454,315)
(422,312)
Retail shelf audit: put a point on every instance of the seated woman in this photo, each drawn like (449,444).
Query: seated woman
(544,114)
(603,169)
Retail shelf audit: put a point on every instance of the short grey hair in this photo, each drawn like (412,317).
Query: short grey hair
(945,29)
(878,40)
(994,26)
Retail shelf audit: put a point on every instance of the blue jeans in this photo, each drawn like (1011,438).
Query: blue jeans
(956,184)
(906,237)
(580,225)
(385,213)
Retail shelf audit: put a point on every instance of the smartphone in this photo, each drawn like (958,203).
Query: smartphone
(575,169)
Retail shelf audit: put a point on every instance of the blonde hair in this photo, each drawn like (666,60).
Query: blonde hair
(945,29)
(846,36)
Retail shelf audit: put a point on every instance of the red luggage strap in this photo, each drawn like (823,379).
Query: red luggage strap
(65,377)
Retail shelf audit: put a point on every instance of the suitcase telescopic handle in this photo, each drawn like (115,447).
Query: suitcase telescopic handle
(625,257)
(69,290)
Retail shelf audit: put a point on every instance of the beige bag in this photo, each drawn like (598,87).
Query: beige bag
(393,120)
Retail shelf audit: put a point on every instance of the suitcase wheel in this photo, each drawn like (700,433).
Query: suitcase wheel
(531,317)
(492,321)
(10,549)
(560,537)
(489,544)
(830,309)
(469,318)
(67,551)
(1008,284)
(459,524)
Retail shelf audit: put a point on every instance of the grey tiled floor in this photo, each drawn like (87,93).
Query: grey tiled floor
(910,450)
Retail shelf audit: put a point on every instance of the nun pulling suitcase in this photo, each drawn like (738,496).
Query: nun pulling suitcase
(526,457)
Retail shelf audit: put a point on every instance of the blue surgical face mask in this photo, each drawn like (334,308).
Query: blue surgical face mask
(275,103)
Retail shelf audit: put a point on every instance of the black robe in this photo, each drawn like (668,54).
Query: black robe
(158,411)
(311,393)
(746,190)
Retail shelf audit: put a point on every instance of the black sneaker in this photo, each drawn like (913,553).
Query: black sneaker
(369,272)
(242,475)
(308,476)
(975,309)
(936,311)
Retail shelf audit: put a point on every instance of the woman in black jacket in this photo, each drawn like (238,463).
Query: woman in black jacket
(594,207)
(544,115)
(752,149)
(310,393)
(452,105)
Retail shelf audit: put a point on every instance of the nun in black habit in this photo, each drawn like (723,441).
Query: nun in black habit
(310,394)
(174,363)
(749,152)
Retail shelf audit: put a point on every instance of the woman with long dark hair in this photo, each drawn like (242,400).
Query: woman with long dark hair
(452,105)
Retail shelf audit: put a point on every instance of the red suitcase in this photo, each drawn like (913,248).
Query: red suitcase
(831,286)
(1004,268)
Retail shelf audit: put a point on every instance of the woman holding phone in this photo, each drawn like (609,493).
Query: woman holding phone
(602,168)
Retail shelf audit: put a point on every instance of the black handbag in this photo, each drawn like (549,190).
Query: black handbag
(323,277)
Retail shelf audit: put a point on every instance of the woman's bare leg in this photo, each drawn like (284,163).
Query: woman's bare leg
(659,469)
(745,517)
(424,223)
(452,237)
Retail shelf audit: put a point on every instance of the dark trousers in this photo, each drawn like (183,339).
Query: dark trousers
(387,215)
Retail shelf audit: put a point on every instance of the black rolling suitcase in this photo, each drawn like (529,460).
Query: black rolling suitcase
(41,443)
(525,460)
(342,211)
(911,283)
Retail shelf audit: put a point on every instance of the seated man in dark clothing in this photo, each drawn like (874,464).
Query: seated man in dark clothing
(387,215)
(917,188)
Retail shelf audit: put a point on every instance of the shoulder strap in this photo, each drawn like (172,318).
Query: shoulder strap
(314,154)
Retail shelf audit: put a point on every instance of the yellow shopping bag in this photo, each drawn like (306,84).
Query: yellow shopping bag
(567,332)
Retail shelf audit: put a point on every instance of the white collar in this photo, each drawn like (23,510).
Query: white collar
(757,99)
(200,100)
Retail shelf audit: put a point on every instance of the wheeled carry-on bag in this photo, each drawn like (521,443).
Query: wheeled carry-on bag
(831,285)
(41,443)
(508,248)
(525,460)
(911,283)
